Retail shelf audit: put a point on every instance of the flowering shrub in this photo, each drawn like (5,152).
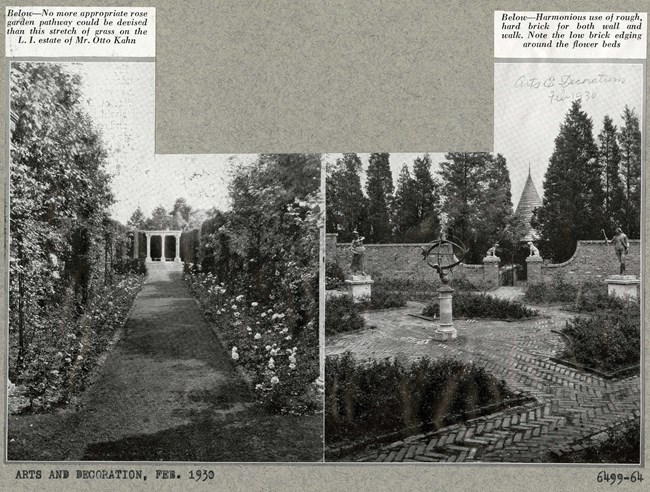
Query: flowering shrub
(267,340)
(65,345)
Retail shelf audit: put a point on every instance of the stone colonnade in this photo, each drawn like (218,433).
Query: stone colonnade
(163,235)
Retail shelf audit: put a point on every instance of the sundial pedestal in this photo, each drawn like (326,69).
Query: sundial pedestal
(623,286)
(446,331)
(359,287)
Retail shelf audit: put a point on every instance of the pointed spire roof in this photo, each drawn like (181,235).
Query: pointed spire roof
(528,202)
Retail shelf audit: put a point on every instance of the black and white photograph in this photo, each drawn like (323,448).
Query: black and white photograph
(161,307)
(486,307)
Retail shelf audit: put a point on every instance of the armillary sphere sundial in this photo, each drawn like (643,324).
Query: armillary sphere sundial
(443,254)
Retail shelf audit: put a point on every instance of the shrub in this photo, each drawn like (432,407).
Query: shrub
(622,445)
(477,305)
(608,342)
(334,276)
(383,299)
(63,351)
(547,292)
(341,315)
(367,399)
(273,345)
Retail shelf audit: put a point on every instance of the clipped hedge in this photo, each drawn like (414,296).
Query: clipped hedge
(479,305)
(341,315)
(377,397)
(608,342)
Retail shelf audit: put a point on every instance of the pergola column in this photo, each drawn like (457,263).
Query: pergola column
(177,258)
(136,244)
(148,258)
(162,246)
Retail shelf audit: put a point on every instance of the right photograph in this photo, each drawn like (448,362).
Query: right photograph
(486,307)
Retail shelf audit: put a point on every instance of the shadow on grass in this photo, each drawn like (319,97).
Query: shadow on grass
(247,436)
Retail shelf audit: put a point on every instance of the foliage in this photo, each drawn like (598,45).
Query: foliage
(64,349)
(622,445)
(629,139)
(346,204)
(559,290)
(62,240)
(610,158)
(477,200)
(584,296)
(367,399)
(481,305)
(334,276)
(266,249)
(416,207)
(266,340)
(609,341)
(572,206)
(379,188)
(342,315)
(383,299)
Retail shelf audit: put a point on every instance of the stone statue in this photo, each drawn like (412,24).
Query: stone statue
(533,249)
(358,254)
(493,250)
(621,247)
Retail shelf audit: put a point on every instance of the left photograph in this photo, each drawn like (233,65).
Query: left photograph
(161,307)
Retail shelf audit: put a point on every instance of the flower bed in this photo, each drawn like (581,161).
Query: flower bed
(608,342)
(377,397)
(278,352)
(476,305)
(64,350)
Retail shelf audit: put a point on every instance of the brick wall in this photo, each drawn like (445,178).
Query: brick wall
(593,260)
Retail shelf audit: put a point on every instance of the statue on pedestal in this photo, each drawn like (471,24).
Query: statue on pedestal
(358,254)
(621,247)
(533,249)
(493,250)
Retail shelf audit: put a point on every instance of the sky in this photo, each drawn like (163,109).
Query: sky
(528,115)
(121,101)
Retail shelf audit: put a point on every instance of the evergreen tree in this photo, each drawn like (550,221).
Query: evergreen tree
(426,191)
(405,213)
(630,147)
(346,205)
(477,200)
(572,206)
(610,159)
(379,188)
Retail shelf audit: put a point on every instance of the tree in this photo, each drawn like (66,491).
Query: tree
(477,200)
(346,204)
(379,188)
(405,212)
(180,213)
(426,191)
(59,194)
(610,159)
(572,206)
(629,139)
(159,220)
(137,220)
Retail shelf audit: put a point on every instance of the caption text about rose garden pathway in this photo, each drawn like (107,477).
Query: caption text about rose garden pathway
(80,31)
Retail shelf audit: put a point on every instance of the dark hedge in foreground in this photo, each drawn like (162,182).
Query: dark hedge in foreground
(378,397)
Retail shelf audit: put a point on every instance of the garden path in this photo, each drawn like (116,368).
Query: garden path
(167,391)
(571,405)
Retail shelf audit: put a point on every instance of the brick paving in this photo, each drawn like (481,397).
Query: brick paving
(570,405)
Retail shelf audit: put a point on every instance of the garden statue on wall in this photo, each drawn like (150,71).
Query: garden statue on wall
(358,254)
(621,247)
(533,249)
(493,250)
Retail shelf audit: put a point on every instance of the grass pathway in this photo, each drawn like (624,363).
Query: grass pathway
(167,391)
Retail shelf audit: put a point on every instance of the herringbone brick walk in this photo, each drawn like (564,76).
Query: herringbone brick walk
(570,405)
